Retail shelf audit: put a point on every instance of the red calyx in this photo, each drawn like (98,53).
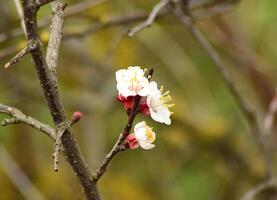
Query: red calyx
(127,102)
(132,141)
(144,108)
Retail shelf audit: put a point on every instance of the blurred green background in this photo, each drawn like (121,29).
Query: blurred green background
(206,154)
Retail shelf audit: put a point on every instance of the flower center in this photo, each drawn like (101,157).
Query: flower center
(149,134)
(135,83)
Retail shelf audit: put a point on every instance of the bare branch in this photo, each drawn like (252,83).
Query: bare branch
(56,33)
(49,86)
(19,117)
(118,147)
(18,57)
(57,145)
(270,115)
(250,195)
(155,11)
(52,56)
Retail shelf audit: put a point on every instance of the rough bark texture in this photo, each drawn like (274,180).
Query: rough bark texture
(49,86)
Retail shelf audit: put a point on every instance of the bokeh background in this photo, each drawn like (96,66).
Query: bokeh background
(206,154)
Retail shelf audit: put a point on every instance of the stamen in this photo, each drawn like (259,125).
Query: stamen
(165,98)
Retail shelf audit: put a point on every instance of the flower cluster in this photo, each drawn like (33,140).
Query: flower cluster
(132,83)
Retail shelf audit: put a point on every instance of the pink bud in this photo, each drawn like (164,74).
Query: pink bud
(76,117)
(132,141)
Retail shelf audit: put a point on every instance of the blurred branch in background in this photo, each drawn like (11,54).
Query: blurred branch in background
(18,177)
(20,15)
(270,115)
(249,114)
(71,11)
(251,194)
(232,39)
(197,14)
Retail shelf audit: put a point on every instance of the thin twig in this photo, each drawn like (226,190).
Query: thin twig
(18,57)
(58,144)
(270,115)
(250,195)
(19,117)
(250,116)
(118,145)
(152,16)
(20,15)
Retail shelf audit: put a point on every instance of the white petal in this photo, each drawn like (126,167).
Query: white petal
(136,69)
(161,115)
(119,74)
(123,90)
(146,146)
(140,134)
(153,87)
(139,125)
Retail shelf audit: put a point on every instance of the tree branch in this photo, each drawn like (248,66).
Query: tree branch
(18,57)
(56,34)
(19,117)
(49,86)
(155,11)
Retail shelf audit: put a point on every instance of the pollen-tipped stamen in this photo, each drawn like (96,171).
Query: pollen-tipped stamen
(166,98)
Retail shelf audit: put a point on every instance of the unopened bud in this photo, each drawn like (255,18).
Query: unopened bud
(76,117)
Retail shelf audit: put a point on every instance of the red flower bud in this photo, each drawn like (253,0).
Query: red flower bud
(76,117)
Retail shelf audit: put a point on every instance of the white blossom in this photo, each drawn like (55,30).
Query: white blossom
(159,104)
(144,135)
(132,82)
